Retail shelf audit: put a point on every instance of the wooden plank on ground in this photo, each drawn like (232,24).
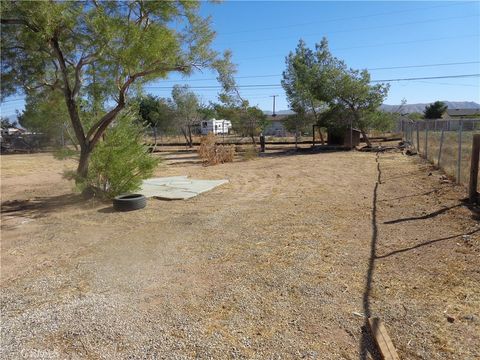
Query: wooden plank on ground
(384,343)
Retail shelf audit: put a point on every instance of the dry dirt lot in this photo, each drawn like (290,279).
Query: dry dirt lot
(283,262)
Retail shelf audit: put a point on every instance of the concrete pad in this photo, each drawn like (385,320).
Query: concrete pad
(177,187)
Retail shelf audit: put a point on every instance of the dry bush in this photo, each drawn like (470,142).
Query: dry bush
(250,153)
(213,154)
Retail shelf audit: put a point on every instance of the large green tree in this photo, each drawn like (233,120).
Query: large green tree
(435,110)
(99,51)
(354,92)
(307,81)
(321,85)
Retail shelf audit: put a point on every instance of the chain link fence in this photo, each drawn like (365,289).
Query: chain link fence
(446,143)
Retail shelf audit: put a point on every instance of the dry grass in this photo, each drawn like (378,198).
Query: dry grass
(272,265)
(449,156)
(212,153)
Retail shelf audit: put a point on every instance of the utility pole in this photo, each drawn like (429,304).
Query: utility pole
(273,113)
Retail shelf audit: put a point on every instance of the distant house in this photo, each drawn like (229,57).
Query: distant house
(217,127)
(276,126)
(461,113)
(12,131)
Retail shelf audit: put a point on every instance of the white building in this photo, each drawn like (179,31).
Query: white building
(215,126)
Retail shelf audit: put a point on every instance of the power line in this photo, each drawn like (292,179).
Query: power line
(352,30)
(267,86)
(374,45)
(342,19)
(370,69)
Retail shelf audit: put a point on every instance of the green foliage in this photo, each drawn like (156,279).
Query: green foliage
(316,82)
(246,120)
(380,120)
(435,110)
(7,123)
(120,162)
(415,116)
(99,53)
(45,112)
(156,112)
(64,153)
(300,122)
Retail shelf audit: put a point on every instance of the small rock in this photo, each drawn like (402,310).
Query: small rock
(450,319)
(470,317)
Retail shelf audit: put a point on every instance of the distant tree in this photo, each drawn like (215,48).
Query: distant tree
(435,110)
(246,119)
(357,96)
(324,83)
(186,106)
(6,123)
(306,82)
(102,50)
(157,113)
(45,112)
(415,116)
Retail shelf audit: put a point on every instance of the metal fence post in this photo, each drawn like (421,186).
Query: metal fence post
(472,189)
(426,140)
(459,159)
(440,149)
(418,138)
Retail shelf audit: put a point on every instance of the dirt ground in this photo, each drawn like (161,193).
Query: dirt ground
(283,262)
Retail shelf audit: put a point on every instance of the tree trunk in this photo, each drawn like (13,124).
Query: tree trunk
(321,136)
(155,138)
(185,136)
(365,138)
(190,144)
(82,169)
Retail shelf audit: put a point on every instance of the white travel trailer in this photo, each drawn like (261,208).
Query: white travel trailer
(218,127)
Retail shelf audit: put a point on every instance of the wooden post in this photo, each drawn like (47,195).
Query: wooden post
(472,188)
(262,143)
(459,158)
(313,135)
(383,341)
(440,149)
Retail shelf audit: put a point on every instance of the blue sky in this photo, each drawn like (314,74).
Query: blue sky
(368,35)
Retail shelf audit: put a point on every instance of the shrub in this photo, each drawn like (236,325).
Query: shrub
(120,162)
(213,154)
(250,152)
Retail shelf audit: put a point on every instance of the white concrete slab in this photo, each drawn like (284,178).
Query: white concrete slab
(177,187)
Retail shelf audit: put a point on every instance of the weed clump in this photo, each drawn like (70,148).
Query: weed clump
(212,153)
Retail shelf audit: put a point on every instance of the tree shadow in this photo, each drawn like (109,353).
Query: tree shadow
(423,217)
(42,206)
(426,243)
(367,345)
(410,196)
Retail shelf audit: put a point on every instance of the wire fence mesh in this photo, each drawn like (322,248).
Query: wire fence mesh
(446,143)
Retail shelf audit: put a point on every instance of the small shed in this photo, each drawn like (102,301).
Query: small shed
(342,137)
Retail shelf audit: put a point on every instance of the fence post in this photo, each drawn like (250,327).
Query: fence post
(440,149)
(472,189)
(459,158)
(418,138)
(426,140)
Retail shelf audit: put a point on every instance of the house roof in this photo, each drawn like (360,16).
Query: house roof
(463,112)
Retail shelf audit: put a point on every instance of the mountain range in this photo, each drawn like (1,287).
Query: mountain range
(407,108)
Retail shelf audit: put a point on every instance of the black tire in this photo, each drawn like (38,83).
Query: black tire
(129,202)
